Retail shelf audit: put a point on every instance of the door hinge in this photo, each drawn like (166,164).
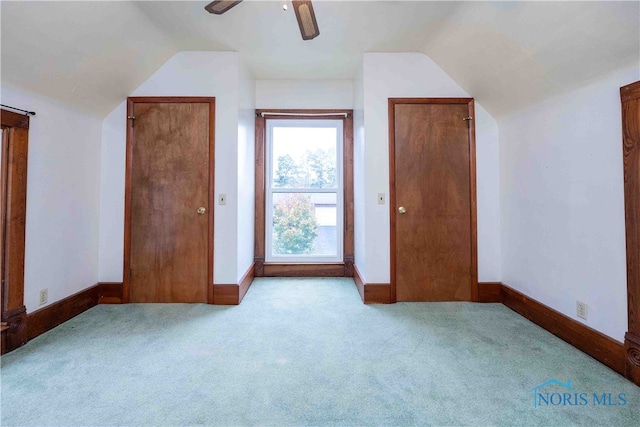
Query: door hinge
(133,119)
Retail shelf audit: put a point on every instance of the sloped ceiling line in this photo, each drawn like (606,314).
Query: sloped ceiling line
(506,54)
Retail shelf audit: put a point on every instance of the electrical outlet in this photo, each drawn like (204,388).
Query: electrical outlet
(44,296)
(222,199)
(381,198)
(581,310)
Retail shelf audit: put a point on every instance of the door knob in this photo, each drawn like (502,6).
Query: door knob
(201,211)
(402,210)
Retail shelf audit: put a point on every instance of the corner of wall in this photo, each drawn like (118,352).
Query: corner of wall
(359,172)
(112,173)
(488,196)
(246,169)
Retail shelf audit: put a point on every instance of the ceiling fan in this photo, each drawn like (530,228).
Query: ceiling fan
(303,9)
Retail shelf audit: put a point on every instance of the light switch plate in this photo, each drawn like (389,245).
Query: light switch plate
(381,198)
(222,199)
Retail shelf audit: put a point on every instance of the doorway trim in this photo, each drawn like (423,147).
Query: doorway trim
(131,101)
(631,158)
(15,146)
(341,269)
(472,186)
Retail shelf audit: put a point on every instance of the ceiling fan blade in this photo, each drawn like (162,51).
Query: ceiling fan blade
(219,7)
(306,19)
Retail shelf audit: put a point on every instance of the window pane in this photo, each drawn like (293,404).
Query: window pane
(304,157)
(305,224)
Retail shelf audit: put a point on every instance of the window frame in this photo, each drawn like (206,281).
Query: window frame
(270,190)
(300,269)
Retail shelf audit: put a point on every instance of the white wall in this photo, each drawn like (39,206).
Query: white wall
(359,174)
(185,74)
(562,191)
(301,94)
(246,170)
(63,186)
(488,197)
(389,75)
(112,195)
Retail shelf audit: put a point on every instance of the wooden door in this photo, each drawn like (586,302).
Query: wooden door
(432,200)
(170,153)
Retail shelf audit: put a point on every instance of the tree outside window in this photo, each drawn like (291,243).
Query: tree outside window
(295,227)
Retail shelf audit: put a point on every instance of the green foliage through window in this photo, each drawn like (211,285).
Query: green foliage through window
(317,169)
(323,165)
(294,225)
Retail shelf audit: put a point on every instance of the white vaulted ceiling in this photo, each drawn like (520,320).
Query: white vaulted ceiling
(506,54)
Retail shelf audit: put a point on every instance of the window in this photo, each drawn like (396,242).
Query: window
(330,201)
(304,191)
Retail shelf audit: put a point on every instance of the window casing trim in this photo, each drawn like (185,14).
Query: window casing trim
(282,269)
(338,190)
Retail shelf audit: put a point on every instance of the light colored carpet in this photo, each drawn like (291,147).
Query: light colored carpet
(302,352)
